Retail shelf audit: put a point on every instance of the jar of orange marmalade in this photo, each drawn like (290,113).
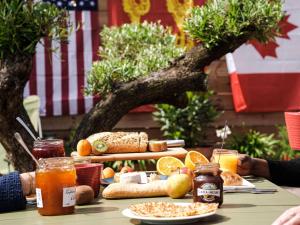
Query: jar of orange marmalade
(55,186)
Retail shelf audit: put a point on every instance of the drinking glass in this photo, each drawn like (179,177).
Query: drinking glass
(227,159)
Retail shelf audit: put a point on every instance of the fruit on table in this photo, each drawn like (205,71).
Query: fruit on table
(192,158)
(108,173)
(126,169)
(84,147)
(178,185)
(99,147)
(84,194)
(186,170)
(168,164)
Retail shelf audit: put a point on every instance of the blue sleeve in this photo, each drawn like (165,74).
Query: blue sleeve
(11,193)
(285,172)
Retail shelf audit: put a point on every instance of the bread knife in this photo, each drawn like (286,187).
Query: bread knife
(175,143)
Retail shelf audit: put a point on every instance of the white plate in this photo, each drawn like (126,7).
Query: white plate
(166,220)
(245,185)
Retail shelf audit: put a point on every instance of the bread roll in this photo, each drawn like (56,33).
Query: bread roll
(121,142)
(152,189)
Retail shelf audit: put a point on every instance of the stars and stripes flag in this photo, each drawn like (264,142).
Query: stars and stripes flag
(266,78)
(58,77)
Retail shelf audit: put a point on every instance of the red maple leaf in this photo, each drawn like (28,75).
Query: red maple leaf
(269,49)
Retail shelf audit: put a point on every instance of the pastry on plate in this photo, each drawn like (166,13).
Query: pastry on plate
(231,179)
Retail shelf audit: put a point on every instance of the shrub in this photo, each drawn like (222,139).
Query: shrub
(187,123)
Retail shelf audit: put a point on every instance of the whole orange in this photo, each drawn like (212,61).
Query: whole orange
(84,147)
(108,173)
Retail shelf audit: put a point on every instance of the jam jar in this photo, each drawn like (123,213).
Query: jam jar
(55,186)
(48,148)
(208,184)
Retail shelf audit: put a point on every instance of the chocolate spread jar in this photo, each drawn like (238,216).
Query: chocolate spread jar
(208,184)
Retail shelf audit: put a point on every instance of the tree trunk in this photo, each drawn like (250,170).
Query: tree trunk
(14,73)
(185,74)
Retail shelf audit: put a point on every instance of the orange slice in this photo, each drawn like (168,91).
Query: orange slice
(168,164)
(192,158)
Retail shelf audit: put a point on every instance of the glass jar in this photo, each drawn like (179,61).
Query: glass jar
(55,186)
(48,148)
(208,184)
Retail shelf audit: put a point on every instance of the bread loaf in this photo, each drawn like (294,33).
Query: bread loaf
(131,190)
(121,142)
(157,146)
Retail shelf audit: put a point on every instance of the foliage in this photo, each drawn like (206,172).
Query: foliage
(255,144)
(23,23)
(129,52)
(187,123)
(220,20)
(284,150)
(135,164)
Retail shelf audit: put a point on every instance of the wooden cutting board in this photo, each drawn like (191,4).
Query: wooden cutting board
(175,152)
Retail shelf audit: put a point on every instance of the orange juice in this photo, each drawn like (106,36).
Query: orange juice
(55,186)
(227,159)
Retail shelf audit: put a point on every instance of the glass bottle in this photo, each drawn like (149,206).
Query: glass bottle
(55,186)
(208,184)
(48,148)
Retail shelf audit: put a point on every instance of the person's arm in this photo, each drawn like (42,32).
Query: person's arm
(13,188)
(253,166)
(285,172)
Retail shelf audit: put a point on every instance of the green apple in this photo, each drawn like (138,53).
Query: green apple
(178,185)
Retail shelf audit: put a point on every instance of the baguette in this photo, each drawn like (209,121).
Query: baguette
(121,142)
(153,189)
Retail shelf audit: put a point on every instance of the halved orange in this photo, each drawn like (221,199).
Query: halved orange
(192,158)
(168,164)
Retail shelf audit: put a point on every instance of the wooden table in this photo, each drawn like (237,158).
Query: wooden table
(238,208)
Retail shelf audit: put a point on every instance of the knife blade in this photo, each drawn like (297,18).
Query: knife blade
(175,143)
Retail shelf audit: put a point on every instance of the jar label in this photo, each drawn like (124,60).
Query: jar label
(39,199)
(69,196)
(209,192)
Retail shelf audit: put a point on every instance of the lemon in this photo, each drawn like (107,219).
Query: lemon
(192,158)
(168,164)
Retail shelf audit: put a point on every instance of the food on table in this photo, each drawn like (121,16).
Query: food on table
(117,177)
(108,173)
(84,194)
(121,142)
(152,189)
(134,177)
(99,147)
(227,159)
(55,186)
(168,164)
(194,158)
(231,179)
(178,185)
(186,170)
(126,169)
(165,209)
(48,148)
(208,184)
(157,146)
(154,177)
(84,147)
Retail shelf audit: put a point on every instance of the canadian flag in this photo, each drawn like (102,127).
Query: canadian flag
(266,78)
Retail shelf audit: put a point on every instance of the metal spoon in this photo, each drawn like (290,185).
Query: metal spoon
(20,140)
(27,128)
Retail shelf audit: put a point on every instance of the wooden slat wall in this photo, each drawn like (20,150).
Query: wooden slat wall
(218,81)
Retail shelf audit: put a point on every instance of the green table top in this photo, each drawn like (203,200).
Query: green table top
(238,208)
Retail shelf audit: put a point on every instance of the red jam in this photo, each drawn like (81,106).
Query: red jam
(208,184)
(48,148)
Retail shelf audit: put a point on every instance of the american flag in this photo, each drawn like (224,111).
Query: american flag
(59,77)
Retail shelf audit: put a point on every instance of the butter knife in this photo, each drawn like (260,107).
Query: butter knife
(252,190)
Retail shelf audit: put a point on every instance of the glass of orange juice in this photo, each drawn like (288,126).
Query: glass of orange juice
(227,159)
